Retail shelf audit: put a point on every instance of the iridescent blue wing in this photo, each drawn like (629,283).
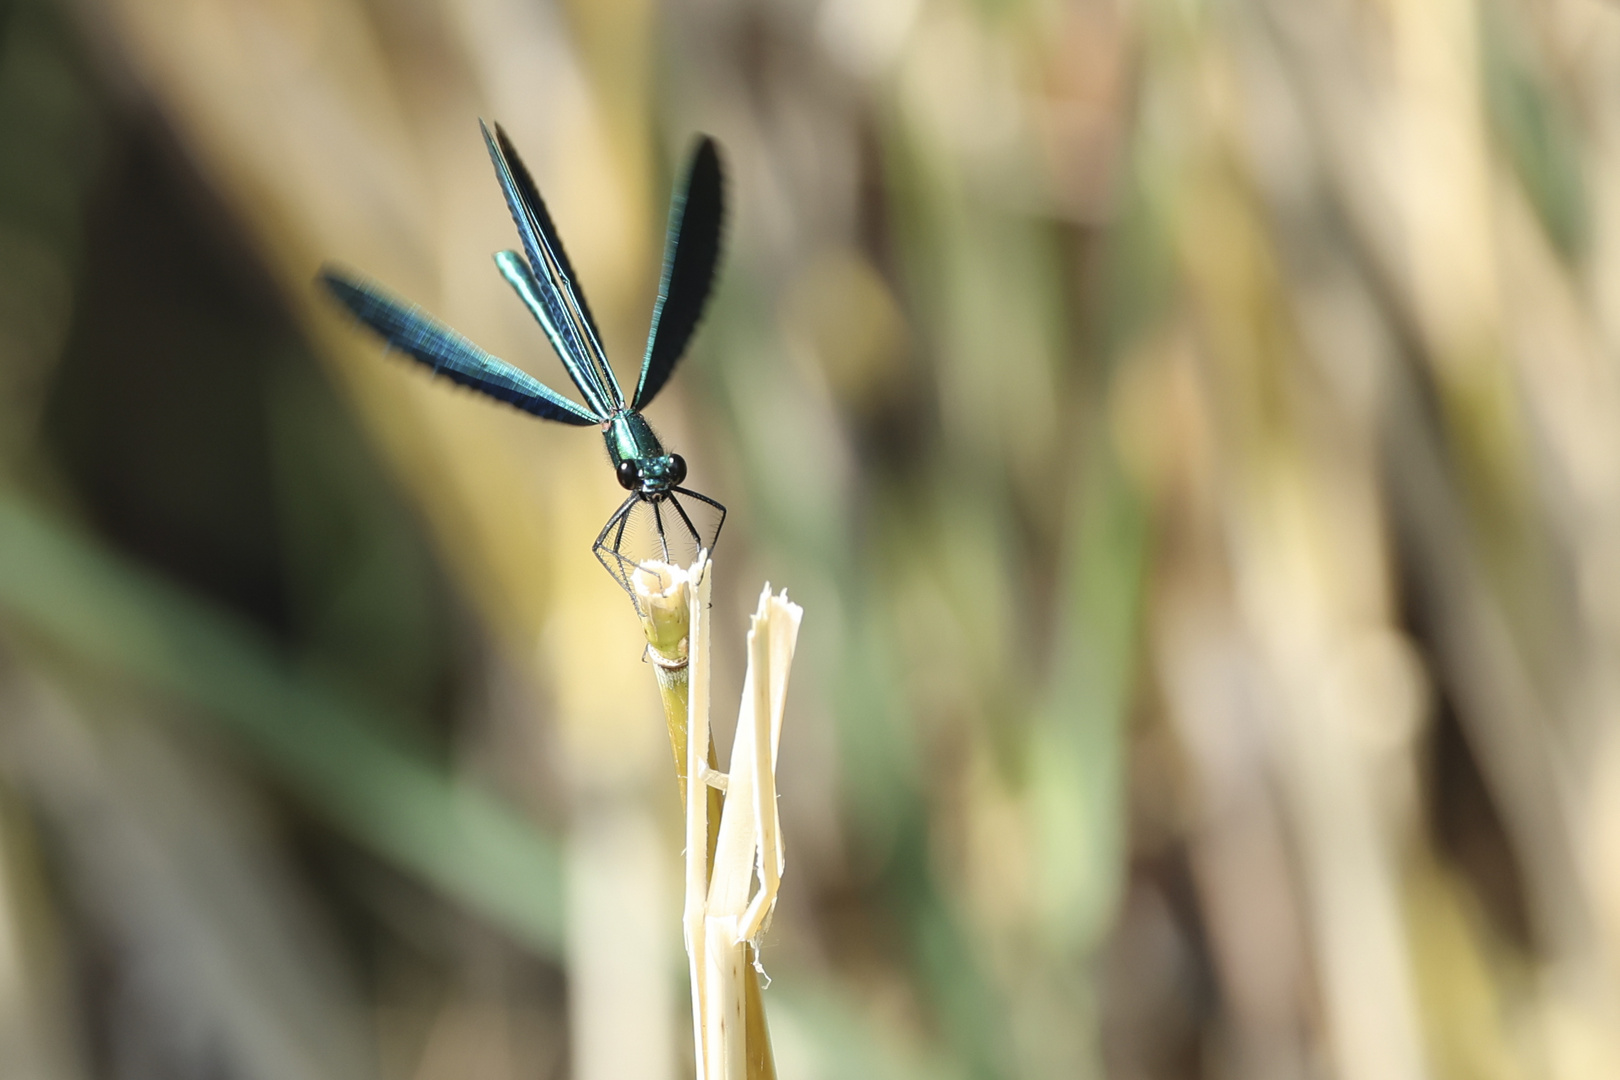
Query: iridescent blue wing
(561,304)
(425,339)
(690,256)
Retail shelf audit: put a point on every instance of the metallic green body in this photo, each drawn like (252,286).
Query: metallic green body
(629,438)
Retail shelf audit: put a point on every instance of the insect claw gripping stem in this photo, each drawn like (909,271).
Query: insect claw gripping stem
(644,530)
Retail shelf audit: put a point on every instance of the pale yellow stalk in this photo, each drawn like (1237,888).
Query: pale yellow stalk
(728,839)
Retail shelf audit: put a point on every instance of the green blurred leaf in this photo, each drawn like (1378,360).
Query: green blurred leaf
(1539,137)
(59,586)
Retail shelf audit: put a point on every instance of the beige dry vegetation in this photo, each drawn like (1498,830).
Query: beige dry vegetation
(1193,425)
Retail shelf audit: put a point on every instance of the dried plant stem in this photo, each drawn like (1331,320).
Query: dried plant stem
(666,637)
(667,627)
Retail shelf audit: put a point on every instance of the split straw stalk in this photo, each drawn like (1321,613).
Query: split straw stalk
(728,840)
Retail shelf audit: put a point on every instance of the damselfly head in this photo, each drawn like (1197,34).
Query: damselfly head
(651,476)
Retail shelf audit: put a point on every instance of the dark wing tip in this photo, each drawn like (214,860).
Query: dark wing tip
(497,145)
(705,178)
(706,155)
(705,183)
(346,288)
(332,277)
(512,159)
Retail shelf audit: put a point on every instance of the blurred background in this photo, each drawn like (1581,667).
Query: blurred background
(1191,426)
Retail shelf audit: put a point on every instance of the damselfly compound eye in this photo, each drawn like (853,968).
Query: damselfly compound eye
(629,475)
(677,469)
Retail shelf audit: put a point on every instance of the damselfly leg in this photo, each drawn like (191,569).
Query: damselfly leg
(667,526)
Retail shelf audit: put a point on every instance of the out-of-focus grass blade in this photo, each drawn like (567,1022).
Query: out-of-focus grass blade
(818,1032)
(1539,146)
(1080,766)
(1541,139)
(60,586)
